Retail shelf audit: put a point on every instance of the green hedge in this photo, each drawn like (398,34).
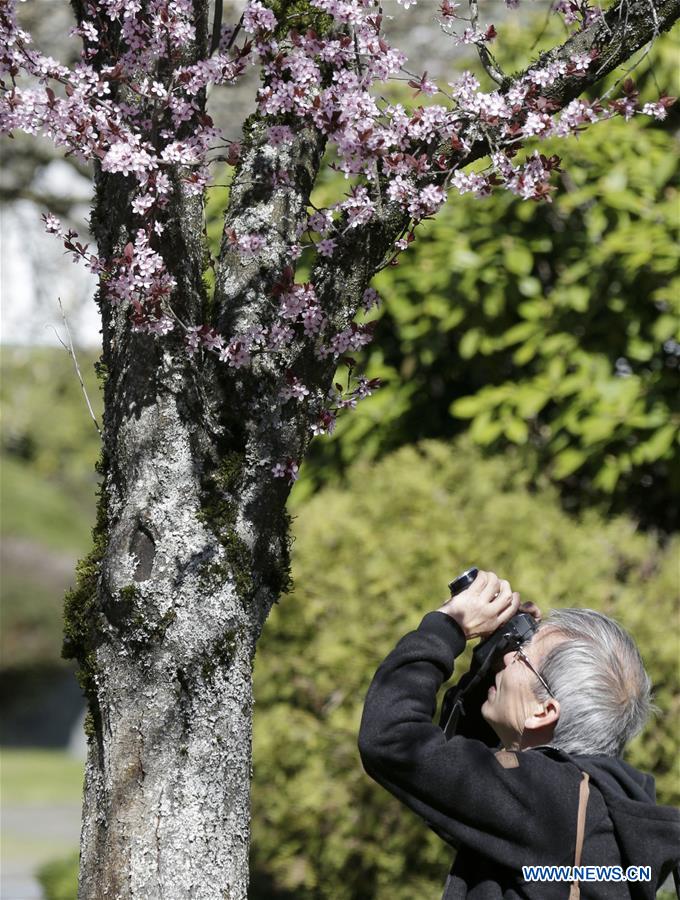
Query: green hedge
(369,561)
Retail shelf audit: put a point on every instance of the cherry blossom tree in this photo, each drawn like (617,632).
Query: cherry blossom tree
(214,386)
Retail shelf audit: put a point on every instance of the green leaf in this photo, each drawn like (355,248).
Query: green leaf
(485,429)
(467,407)
(666,327)
(568,461)
(518,259)
(520,332)
(658,445)
(516,430)
(640,350)
(529,287)
(469,343)
(594,429)
(608,476)
(530,400)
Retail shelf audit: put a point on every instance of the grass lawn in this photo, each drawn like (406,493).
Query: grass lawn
(30,777)
(41,795)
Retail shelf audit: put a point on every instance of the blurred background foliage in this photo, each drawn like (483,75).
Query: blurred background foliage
(47,483)
(529,422)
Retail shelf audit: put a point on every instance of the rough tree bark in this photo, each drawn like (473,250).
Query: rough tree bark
(191,543)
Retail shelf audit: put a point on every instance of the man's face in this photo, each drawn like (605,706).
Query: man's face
(511,700)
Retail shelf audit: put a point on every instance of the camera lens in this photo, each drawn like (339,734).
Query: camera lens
(463,581)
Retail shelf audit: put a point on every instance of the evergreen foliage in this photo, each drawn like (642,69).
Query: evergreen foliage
(369,561)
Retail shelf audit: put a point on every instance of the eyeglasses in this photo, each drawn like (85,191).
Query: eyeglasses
(522,655)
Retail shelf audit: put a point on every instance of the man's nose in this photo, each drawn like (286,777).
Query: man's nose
(508,658)
(501,663)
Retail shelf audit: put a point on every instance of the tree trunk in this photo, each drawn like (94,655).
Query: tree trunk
(169,678)
(188,558)
(186,563)
(190,546)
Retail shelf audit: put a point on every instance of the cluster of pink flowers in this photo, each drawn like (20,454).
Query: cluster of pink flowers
(325,424)
(140,278)
(293,389)
(247,245)
(288,469)
(237,352)
(578,12)
(330,82)
(354,337)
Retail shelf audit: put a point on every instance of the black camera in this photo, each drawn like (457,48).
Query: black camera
(519,629)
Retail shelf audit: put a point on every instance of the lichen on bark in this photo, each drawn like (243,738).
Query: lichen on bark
(221,654)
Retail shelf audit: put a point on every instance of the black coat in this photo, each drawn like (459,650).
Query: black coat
(503,810)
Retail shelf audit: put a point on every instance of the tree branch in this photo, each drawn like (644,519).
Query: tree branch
(620,33)
(490,65)
(217,27)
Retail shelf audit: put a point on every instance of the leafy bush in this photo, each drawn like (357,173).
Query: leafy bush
(369,561)
(59,879)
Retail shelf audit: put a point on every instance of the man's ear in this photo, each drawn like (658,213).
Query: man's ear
(545,715)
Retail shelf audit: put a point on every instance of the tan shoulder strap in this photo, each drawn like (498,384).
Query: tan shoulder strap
(507,759)
(584,791)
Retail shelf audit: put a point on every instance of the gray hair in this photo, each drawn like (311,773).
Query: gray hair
(599,679)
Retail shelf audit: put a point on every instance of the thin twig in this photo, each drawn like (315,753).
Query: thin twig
(645,53)
(70,350)
(545,27)
(490,65)
(655,17)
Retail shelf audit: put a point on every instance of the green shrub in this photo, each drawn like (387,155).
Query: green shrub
(59,879)
(369,561)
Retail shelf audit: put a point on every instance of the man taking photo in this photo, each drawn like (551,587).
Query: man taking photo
(532,775)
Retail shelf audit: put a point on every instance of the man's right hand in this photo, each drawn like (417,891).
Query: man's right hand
(487,604)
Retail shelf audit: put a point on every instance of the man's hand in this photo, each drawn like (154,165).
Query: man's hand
(487,604)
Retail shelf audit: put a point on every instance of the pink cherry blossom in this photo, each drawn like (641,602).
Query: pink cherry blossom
(326,247)
(470,182)
(656,110)
(279,135)
(257,17)
(370,299)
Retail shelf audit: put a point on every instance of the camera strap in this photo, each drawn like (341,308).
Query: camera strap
(583,794)
(453,707)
